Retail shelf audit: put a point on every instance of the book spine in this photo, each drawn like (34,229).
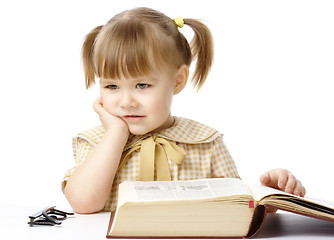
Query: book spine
(257,219)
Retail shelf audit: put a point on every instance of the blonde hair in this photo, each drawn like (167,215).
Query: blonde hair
(128,43)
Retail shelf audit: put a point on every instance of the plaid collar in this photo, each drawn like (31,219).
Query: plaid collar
(183,131)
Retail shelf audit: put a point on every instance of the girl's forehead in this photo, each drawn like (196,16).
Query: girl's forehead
(152,77)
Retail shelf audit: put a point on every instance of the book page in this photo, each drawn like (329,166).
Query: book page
(260,192)
(326,203)
(228,187)
(182,190)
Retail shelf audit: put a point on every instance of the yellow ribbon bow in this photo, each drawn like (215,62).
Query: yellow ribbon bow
(154,152)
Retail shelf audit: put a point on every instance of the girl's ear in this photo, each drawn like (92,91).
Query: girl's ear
(181,78)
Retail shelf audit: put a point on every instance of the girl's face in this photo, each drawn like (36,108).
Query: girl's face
(144,103)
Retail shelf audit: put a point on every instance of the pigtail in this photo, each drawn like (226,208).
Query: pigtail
(201,49)
(87,56)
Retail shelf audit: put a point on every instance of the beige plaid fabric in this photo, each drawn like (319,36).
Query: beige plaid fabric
(206,154)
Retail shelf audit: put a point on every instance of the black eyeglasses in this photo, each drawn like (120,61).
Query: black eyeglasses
(48,216)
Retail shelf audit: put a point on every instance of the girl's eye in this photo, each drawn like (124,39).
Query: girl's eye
(142,85)
(112,87)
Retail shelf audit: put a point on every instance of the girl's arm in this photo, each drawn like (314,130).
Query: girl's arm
(89,186)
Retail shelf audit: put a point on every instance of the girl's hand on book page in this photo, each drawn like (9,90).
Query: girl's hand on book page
(108,120)
(284,180)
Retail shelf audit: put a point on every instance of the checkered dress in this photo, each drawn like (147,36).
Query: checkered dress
(206,154)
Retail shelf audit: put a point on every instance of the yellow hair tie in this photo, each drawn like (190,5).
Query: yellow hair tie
(179,22)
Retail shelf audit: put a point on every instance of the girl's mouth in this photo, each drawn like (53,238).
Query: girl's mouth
(133,118)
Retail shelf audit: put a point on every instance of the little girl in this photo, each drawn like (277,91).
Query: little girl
(142,61)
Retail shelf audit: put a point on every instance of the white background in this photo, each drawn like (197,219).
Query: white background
(270,90)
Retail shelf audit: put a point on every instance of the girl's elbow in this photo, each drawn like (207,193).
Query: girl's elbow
(84,207)
(83,204)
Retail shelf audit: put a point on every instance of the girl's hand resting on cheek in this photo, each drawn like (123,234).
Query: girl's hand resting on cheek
(283,180)
(108,120)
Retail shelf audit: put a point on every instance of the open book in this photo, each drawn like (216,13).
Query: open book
(205,208)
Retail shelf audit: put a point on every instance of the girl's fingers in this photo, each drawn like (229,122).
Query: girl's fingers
(265,179)
(282,178)
(98,107)
(291,183)
(299,189)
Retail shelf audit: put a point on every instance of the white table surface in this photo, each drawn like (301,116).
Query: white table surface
(13,225)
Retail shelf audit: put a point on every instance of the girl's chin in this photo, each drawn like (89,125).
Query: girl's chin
(138,131)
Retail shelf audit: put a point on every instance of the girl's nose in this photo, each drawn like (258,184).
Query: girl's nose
(128,100)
